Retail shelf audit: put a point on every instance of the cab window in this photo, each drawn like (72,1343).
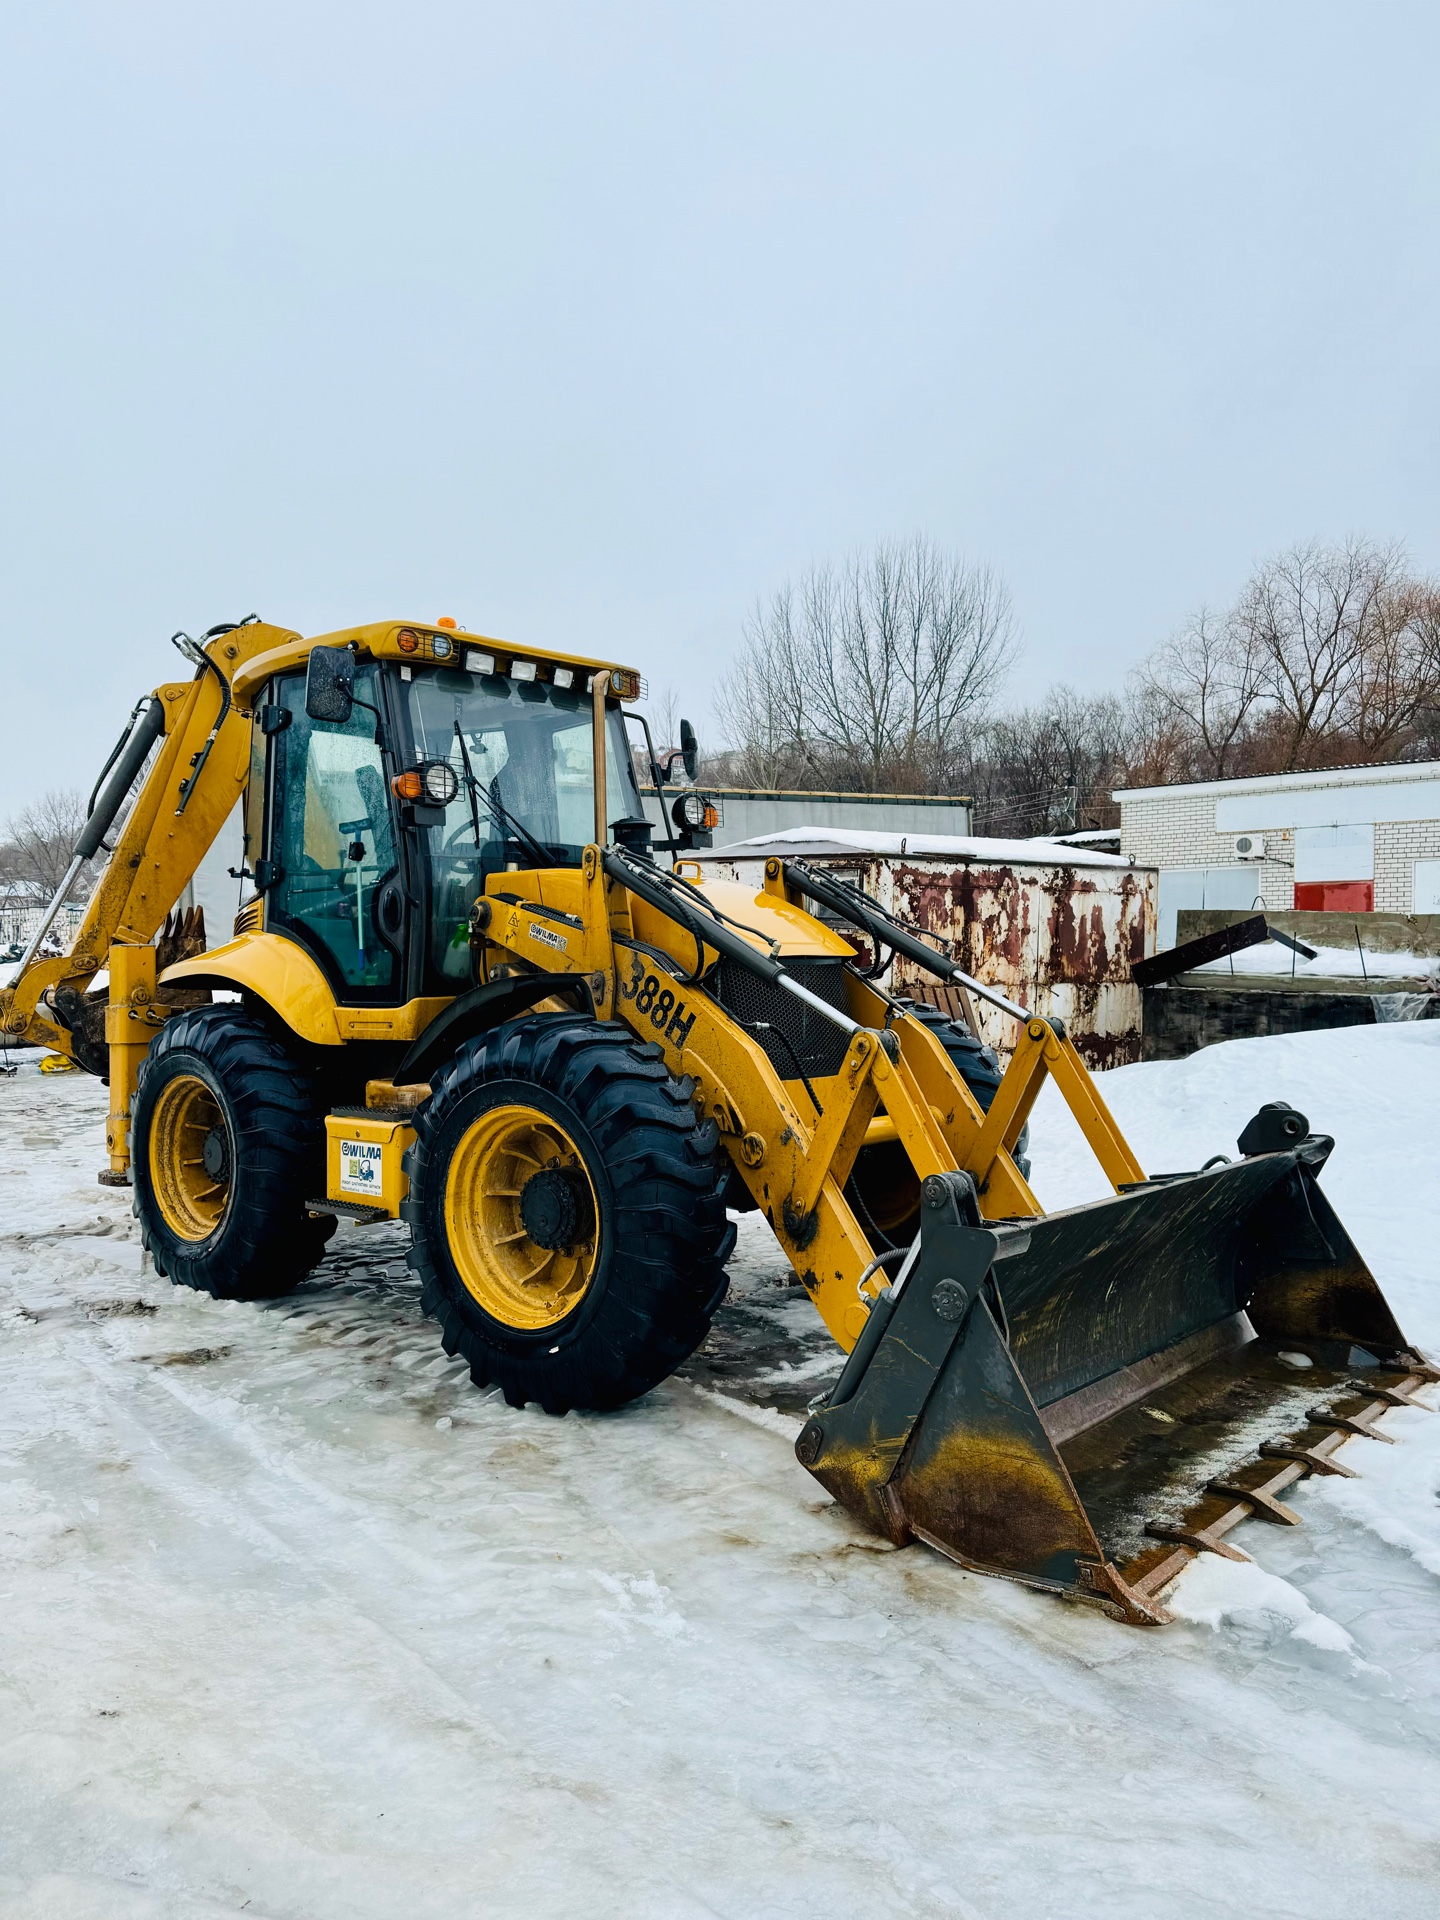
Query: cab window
(332,837)
(522,755)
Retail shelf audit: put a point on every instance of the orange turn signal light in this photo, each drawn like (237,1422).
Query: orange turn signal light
(408,786)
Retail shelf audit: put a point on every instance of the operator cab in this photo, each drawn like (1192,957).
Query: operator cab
(389,791)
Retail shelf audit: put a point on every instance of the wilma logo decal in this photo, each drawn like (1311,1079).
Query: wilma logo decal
(361,1170)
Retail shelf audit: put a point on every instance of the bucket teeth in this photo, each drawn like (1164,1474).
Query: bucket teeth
(1393,1396)
(1310,1457)
(1123,1600)
(1198,1539)
(1348,1423)
(1264,1503)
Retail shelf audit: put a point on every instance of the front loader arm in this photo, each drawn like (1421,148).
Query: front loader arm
(161,843)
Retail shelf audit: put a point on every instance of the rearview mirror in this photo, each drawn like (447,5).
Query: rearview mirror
(330,684)
(689,748)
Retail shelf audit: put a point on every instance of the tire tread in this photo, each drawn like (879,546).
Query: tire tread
(670,1235)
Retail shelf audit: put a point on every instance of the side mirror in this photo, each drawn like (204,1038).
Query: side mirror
(330,684)
(689,748)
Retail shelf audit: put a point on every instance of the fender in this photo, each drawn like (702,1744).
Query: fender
(276,970)
(477,1012)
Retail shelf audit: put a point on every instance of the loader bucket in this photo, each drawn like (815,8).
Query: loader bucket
(1049,1400)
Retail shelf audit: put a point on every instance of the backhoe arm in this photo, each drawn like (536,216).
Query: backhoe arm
(166,835)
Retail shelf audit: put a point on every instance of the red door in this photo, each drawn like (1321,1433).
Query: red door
(1334,896)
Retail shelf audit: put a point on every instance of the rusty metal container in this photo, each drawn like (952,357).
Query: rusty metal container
(1054,927)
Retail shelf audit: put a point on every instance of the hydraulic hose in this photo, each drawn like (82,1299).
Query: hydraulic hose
(647,882)
(850,902)
(195,651)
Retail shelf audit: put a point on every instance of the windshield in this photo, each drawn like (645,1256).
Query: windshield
(522,750)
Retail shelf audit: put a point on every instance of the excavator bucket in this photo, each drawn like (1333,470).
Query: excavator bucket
(1083,1401)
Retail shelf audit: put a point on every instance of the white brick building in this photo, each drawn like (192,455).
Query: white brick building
(1351,839)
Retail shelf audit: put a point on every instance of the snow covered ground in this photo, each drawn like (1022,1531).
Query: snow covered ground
(1330,963)
(296,1623)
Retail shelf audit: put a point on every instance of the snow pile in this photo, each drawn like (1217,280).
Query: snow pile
(295,1622)
(1215,1592)
(1347,963)
(1398,1497)
(943,846)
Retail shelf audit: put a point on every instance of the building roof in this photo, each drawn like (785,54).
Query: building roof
(810,793)
(1400,772)
(828,841)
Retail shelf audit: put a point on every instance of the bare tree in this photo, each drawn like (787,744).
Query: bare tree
(1208,681)
(1048,769)
(1330,654)
(864,676)
(663,713)
(881,674)
(763,704)
(1394,686)
(38,842)
(1311,613)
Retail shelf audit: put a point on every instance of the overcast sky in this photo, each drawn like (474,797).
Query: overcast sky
(588,324)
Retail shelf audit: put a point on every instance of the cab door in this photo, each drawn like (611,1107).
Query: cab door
(334,880)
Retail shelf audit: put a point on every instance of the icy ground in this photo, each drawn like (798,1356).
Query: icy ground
(294,1622)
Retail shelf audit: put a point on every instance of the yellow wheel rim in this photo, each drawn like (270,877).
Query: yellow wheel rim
(521,1281)
(191,1157)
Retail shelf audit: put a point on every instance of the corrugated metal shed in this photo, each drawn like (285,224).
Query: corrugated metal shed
(1055,927)
(749,811)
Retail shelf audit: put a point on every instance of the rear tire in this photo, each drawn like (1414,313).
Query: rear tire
(570,1130)
(227,1139)
(883,1190)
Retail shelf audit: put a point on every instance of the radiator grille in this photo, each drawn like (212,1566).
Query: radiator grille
(816,1047)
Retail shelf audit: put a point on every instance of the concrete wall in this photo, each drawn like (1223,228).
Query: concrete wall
(1180,1020)
(1417,933)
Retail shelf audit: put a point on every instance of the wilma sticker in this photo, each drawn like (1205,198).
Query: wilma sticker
(360,1169)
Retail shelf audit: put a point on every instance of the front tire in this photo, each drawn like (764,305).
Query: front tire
(565,1213)
(227,1138)
(884,1189)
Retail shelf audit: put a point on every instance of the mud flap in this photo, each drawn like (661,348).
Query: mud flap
(1002,1345)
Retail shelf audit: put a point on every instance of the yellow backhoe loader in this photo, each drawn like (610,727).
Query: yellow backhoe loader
(463,991)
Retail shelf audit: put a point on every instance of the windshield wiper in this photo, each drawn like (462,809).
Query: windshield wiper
(523,833)
(498,812)
(470,784)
